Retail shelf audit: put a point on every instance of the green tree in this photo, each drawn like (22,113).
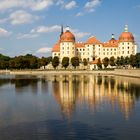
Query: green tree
(99,63)
(43,62)
(55,62)
(65,62)
(138,60)
(122,61)
(75,62)
(85,62)
(118,61)
(132,60)
(105,62)
(126,60)
(112,61)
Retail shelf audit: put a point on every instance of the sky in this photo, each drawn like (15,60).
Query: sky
(33,26)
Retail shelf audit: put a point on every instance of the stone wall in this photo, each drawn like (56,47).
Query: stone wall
(127,72)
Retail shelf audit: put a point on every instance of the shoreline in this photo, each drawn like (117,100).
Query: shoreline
(117,72)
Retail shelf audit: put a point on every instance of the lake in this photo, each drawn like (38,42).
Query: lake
(71,107)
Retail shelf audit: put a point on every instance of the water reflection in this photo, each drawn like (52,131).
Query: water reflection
(71,91)
(95,91)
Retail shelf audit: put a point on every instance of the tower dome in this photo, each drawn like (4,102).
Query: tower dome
(126,36)
(56,47)
(67,36)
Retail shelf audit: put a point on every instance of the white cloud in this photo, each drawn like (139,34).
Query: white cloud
(91,5)
(4,33)
(3,20)
(41,4)
(78,34)
(32,4)
(70,5)
(27,36)
(21,17)
(81,34)
(79,14)
(60,2)
(44,50)
(46,29)
(1,49)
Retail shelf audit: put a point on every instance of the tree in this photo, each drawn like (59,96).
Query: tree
(4,61)
(112,61)
(85,62)
(99,63)
(65,62)
(132,60)
(55,62)
(75,62)
(105,62)
(122,61)
(138,60)
(118,61)
(43,62)
(126,60)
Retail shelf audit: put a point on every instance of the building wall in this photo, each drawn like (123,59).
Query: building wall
(67,49)
(55,54)
(90,51)
(126,49)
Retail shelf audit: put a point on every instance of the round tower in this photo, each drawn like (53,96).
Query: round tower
(67,44)
(127,44)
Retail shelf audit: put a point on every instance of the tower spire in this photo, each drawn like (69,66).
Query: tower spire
(126,28)
(113,36)
(62,30)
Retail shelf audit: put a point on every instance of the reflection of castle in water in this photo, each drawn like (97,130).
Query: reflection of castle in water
(93,91)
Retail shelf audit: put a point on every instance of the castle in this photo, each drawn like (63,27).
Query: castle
(93,49)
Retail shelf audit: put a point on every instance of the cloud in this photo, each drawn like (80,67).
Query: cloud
(1,49)
(80,34)
(60,2)
(44,50)
(4,33)
(42,4)
(91,5)
(46,29)
(21,17)
(70,5)
(3,20)
(79,14)
(27,36)
(31,4)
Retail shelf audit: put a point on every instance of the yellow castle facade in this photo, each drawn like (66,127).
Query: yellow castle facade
(93,49)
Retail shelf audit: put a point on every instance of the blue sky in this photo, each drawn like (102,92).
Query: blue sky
(33,26)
